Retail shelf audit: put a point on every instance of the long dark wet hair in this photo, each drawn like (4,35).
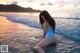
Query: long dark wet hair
(48,18)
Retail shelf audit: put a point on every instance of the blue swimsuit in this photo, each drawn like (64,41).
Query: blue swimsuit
(49,34)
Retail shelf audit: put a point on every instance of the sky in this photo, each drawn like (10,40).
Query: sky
(51,5)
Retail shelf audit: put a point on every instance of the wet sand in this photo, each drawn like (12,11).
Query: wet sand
(17,36)
(22,38)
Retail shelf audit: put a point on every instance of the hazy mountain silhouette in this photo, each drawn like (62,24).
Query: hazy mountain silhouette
(15,8)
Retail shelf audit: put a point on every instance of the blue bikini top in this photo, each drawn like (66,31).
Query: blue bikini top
(50,31)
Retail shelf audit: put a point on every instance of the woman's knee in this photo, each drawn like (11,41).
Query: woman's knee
(37,47)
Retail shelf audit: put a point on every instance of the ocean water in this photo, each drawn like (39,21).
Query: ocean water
(69,27)
(21,31)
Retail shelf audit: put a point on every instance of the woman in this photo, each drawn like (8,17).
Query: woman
(48,25)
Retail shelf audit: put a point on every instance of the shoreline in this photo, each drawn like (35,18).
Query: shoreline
(19,12)
(22,38)
(18,36)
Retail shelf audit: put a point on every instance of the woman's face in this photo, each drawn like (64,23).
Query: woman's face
(43,18)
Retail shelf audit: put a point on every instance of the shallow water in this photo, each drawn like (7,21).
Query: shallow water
(17,36)
(66,26)
(22,38)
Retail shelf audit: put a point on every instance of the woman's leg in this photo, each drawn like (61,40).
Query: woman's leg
(53,40)
(41,44)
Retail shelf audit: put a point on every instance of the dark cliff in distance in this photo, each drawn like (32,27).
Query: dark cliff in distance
(15,8)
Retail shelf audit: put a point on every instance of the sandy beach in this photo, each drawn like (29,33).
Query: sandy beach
(22,38)
(17,36)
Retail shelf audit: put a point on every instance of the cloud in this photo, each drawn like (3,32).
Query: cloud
(14,2)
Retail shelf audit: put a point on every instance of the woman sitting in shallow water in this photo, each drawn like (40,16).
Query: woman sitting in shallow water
(48,24)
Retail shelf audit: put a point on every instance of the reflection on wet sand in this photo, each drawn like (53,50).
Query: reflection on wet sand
(7,27)
(17,36)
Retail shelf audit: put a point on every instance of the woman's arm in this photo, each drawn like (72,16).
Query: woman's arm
(44,33)
(45,27)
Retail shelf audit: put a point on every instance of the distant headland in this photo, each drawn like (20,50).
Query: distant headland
(16,8)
